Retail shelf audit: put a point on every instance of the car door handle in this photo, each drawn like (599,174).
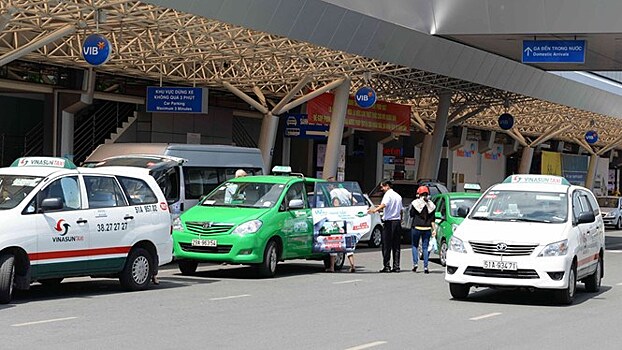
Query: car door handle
(81,221)
(128,217)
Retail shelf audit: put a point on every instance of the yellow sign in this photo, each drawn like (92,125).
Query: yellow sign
(551,163)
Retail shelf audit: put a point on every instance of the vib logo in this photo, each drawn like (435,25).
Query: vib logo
(62,226)
(96,49)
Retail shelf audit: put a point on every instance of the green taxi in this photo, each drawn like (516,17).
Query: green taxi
(450,211)
(251,220)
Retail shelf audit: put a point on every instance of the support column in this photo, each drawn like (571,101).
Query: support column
(267,136)
(424,158)
(67,115)
(433,152)
(335,132)
(591,171)
(525,161)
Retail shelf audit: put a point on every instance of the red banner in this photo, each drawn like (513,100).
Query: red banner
(383,116)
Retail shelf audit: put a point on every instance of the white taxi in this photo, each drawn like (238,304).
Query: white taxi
(62,221)
(531,231)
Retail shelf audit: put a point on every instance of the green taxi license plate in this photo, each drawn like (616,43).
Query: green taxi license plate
(204,243)
(500,265)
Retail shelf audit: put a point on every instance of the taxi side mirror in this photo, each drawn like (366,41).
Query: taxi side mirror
(463,212)
(51,204)
(586,217)
(296,204)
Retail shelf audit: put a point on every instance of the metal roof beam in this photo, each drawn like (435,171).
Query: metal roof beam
(301,84)
(36,44)
(313,94)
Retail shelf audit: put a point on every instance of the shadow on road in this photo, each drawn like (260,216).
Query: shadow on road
(535,298)
(613,242)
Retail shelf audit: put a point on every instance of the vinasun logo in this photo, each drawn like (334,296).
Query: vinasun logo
(63,228)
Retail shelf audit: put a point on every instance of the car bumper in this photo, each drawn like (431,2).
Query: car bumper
(532,272)
(246,249)
(610,221)
(165,252)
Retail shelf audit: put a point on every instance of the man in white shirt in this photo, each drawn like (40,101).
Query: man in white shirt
(391,235)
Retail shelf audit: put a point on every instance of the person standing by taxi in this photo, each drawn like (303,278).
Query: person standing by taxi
(422,214)
(391,234)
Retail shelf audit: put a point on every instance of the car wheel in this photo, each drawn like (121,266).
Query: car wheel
(592,283)
(136,274)
(459,291)
(442,252)
(51,282)
(270,258)
(340,259)
(7,274)
(566,296)
(619,224)
(187,267)
(376,237)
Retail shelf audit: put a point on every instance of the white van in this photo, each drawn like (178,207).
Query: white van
(61,221)
(531,231)
(184,172)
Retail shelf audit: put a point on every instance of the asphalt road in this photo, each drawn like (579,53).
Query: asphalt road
(225,307)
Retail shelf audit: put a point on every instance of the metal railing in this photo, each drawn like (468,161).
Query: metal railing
(240,136)
(96,124)
(33,141)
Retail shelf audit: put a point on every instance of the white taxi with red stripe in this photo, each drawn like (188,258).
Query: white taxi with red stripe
(531,231)
(62,221)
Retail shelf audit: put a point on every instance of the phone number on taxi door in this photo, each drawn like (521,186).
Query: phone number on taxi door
(113,226)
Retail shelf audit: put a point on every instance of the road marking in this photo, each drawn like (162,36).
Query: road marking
(614,251)
(45,321)
(619,284)
(367,346)
(485,316)
(349,281)
(232,297)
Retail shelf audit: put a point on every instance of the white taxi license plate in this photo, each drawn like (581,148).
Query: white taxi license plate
(204,243)
(500,265)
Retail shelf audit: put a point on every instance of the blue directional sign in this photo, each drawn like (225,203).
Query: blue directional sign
(96,49)
(176,99)
(297,125)
(365,97)
(553,51)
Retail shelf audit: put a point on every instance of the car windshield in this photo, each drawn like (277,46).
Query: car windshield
(14,188)
(528,206)
(455,203)
(245,194)
(607,202)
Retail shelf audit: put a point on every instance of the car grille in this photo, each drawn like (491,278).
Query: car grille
(519,274)
(511,250)
(220,249)
(200,228)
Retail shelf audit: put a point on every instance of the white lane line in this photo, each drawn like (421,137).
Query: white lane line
(614,251)
(232,297)
(44,321)
(367,346)
(485,316)
(619,284)
(349,281)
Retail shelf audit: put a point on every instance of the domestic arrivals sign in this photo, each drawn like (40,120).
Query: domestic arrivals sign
(553,51)
(382,116)
(176,100)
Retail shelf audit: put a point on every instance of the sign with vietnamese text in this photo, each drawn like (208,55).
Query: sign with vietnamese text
(553,51)
(382,116)
(176,100)
(297,125)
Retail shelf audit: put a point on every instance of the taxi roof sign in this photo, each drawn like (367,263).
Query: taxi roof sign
(537,179)
(50,162)
(282,169)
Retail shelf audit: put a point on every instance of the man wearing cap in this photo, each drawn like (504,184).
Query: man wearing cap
(422,214)
(391,234)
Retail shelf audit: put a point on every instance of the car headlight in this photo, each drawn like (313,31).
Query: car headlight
(555,249)
(456,245)
(454,227)
(248,227)
(177,226)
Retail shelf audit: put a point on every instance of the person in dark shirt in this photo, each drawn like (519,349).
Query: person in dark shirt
(422,214)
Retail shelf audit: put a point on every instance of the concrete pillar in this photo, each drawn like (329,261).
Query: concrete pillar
(433,151)
(267,136)
(66,135)
(525,161)
(591,171)
(335,132)
(424,158)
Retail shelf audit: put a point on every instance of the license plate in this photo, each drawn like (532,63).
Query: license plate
(500,265)
(204,243)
